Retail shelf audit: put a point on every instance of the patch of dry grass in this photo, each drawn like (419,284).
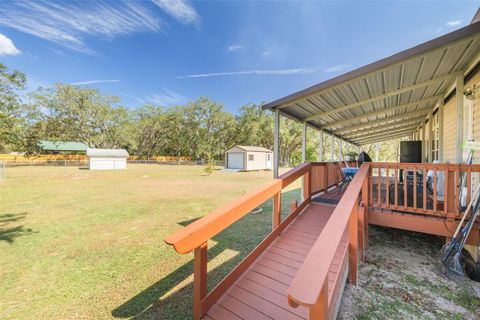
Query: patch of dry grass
(89,244)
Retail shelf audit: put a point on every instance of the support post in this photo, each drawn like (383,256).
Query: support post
(320,148)
(441,125)
(320,309)
(341,149)
(459,120)
(276,144)
(199,280)
(361,232)
(304,142)
(377,151)
(332,156)
(353,245)
(430,137)
(424,142)
(365,207)
(304,157)
(276,210)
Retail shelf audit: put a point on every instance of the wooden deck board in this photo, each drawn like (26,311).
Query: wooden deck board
(261,292)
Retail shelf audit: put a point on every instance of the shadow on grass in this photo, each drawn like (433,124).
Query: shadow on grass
(242,237)
(9,234)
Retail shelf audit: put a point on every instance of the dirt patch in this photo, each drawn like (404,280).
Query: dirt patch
(400,279)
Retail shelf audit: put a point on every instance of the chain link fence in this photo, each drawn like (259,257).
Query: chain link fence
(69,166)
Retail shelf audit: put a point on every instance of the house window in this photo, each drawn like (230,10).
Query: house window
(268,156)
(250,157)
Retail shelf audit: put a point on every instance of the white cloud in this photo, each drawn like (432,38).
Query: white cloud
(69,23)
(168,98)
(255,72)
(93,82)
(453,23)
(7,47)
(181,10)
(337,68)
(235,47)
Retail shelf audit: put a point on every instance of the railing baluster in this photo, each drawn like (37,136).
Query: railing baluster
(446,190)
(307,185)
(469,184)
(199,280)
(424,187)
(379,187)
(435,188)
(387,188)
(414,188)
(405,189)
(370,180)
(276,210)
(396,187)
(457,190)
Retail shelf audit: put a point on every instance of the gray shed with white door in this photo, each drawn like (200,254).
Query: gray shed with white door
(107,159)
(248,158)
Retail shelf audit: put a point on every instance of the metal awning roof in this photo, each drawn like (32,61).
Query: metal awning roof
(388,98)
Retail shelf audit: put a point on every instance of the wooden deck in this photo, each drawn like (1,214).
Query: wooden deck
(261,292)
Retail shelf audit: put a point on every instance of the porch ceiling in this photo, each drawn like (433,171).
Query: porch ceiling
(402,88)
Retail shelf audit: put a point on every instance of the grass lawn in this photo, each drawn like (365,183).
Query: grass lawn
(81,244)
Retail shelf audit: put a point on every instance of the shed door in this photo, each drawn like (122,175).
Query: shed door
(268,160)
(235,160)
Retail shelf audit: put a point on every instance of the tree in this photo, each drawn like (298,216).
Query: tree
(14,113)
(83,114)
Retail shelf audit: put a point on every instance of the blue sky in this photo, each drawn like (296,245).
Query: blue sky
(236,52)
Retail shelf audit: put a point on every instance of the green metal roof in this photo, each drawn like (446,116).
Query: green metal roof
(62,146)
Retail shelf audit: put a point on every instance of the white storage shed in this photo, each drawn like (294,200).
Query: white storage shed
(248,158)
(107,159)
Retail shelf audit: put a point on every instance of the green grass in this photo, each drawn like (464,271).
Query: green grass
(82,244)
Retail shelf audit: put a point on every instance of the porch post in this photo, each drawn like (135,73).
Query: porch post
(430,137)
(377,151)
(332,157)
(304,142)
(276,144)
(424,142)
(341,149)
(320,148)
(459,120)
(304,157)
(440,129)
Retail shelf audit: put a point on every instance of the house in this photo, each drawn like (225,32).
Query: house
(107,159)
(428,93)
(57,147)
(248,158)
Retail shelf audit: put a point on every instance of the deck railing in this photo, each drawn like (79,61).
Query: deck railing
(310,285)
(408,187)
(195,236)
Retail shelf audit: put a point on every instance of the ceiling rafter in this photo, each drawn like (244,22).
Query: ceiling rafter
(412,123)
(380,112)
(382,96)
(384,137)
(385,122)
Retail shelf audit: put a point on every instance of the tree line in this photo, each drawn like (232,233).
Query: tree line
(198,129)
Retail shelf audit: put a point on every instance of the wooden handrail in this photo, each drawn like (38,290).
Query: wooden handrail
(309,284)
(192,236)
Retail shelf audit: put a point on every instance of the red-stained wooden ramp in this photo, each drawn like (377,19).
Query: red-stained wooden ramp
(261,292)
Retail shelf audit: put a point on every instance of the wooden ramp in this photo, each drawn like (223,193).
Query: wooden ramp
(261,292)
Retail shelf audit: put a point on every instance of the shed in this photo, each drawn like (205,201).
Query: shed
(107,159)
(248,158)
